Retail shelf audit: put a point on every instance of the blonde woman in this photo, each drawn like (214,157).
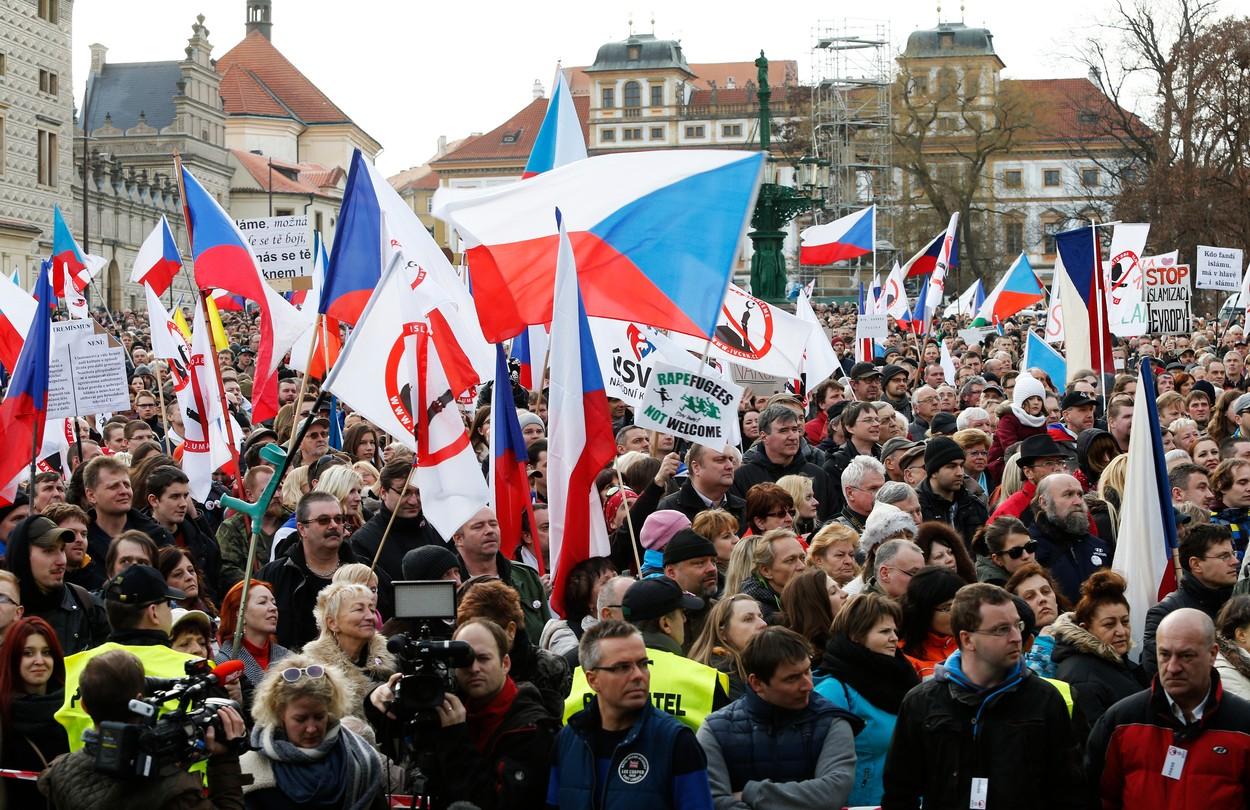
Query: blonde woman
(832,550)
(805,503)
(350,640)
(345,484)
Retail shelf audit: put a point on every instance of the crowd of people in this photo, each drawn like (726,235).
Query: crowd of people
(896,591)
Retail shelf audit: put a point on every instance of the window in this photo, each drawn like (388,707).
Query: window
(657,95)
(1128,177)
(47,82)
(946,40)
(657,133)
(1013,237)
(1089,178)
(920,84)
(731,130)
(635,53)
(4,64)
(696,132)
(49,160)
(429,204)
(317,221)
(1013,178)
(607,98)
(948,82)
(284,212)
(948,174)
(49,10)
(948,124)
(631,134)
(633,98)
(1050,177)
(1049,229)
(607,135)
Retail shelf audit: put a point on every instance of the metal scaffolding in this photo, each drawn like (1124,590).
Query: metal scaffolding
(852,75)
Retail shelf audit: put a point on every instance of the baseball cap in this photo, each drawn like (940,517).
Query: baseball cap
(139,585)
(864,370)
(44,533)
(656,597)
(315,420)
(1075,399)
(894,445)
(199,618)
(1242,404)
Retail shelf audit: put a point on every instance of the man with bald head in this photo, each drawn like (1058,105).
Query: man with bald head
(1183,742)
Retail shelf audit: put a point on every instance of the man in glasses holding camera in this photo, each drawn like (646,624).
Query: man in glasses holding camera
(106,688)
(985,731)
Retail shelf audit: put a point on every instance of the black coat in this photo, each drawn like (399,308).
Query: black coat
(965,514)
(689,503)
(1019,737)
(758,468)
(75,615)
(406,534)
(98,541)
(1099,677)
(1190,594)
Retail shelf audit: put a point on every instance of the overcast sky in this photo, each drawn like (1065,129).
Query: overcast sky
(408,72)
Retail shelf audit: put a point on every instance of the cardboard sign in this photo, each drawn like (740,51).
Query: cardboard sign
(87,371)
(1219,268)
(872,327)
(699,407)
(283,248)
(1166,293)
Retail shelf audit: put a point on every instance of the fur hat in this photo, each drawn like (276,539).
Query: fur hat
(885,521)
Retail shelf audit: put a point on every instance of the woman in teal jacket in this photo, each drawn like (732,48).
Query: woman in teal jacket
(865,672)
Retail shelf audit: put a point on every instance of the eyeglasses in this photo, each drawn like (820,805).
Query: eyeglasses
(326,520)
(780,515)
(316,434)
(293,674)
(1003,631)
(1019,551)
(626,667)
(1227,556)
(902,571)
(872,492)
(5,599)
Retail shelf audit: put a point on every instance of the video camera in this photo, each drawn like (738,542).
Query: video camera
(164,745)
(425,661)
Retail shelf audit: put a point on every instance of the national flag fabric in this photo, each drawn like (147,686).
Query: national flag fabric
(530,350)
(968,303)
(72,270)
(946,362)
(1126,307)
(754,334)
(581,441)
(559,140)
(1144,555)
(925,261)
(863,346)
(845,238)
(17,311)
(878,303)
(652,234)
(1040,354)
(945,260)
(224,260)
(223,301)
(508,459)
(336,425)
(181,320)
(1080,284)
(158,260)
(318,348)
(205,446)
(1016,290)
(893,299)
(23,411)
(918,319)
(1055,332)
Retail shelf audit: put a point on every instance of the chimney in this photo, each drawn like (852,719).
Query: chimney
(539,92)
(97,58)
(442,145)
(259,17)
(1095,76)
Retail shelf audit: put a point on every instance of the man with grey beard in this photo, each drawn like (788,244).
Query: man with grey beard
(1061,529)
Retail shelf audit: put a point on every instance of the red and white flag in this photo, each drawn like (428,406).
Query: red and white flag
(205,446)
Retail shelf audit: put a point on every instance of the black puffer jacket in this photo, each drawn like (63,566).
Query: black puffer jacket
(1190,594)
(1100,677)
(75,615)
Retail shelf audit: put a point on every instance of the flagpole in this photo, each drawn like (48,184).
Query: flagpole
(629,521)
(225,406)
(160,393)
(1100,289)
(303,386)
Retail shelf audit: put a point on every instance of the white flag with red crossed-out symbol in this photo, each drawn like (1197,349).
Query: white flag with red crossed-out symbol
(402,369)
(205,446)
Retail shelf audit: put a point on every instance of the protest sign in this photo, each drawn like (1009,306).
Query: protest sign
(872,327)
(87,372)
(1219,268)
(283,248)
(698,407)
(1166,293)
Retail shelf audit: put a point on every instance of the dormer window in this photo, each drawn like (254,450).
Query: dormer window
(946,40)
(511,137)
(635,53)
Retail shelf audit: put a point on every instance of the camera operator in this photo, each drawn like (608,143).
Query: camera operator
(106,686)
(495,743)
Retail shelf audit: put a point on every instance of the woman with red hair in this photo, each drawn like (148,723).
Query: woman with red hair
(32,688)
(260,621)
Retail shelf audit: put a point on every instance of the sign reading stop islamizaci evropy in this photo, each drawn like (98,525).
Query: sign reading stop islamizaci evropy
(699,407)
(1167,295)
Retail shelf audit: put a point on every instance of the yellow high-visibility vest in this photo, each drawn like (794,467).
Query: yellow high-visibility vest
(685,689)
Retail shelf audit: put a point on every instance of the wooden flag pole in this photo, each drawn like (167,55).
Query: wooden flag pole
(160,394)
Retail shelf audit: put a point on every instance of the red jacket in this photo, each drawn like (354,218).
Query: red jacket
(1129,746)
(1008,432)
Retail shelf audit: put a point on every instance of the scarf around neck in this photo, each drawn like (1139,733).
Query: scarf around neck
(882,680)
(342,771)
(484,722)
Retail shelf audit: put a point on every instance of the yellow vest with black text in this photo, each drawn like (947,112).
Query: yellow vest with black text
(683,688)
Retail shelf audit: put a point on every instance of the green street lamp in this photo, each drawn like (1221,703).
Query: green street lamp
(777,205)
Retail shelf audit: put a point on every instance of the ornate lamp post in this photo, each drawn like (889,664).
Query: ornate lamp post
(777,204)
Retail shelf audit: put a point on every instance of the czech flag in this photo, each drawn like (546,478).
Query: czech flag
(69,264)
(926,260)
(1039,354)
(1148,529)
(158,260)
(224,260)
(845,238)
(581,441)
(508,461)
(559,140)
(1017,289)
(530,349)
(17,312)
(1082,291)
(24,410)
(654,234)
